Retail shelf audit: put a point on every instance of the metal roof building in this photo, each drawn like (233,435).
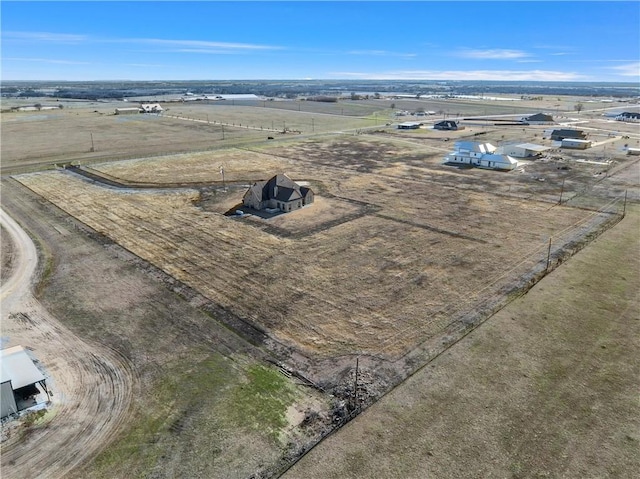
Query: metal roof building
(18,377)
(523,150)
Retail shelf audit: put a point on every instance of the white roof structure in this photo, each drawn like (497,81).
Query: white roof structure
(533,147)
(482,155)
(151,108)
(473,146)
(19,368)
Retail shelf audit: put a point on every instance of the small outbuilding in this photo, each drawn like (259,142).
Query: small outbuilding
(19,378)
(575,143)
(633,151)
(279,192)
(128,111)
(562,133)
(523,150)
(409,125)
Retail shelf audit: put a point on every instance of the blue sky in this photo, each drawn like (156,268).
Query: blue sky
(428,40)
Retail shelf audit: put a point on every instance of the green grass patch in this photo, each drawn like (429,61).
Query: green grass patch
(262,402)
(185,388)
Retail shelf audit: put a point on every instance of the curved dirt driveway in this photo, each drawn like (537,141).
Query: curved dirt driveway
(92,385)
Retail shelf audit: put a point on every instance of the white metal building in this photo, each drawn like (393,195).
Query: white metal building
(633,151)
(575,143)
(127,111)
(523,150)
(481,155)
(18,379)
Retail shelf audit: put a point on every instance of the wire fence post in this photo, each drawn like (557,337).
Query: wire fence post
(624,205)
(549,255)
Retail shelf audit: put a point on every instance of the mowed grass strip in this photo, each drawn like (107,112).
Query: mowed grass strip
(547,387)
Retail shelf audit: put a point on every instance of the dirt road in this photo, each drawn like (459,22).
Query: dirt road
(92,386)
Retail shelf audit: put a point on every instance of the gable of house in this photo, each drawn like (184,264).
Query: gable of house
(277,192)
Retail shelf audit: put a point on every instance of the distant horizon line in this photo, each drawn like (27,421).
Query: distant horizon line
(632,83)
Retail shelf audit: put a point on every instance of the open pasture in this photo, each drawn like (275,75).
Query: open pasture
(31,140)
(423,253)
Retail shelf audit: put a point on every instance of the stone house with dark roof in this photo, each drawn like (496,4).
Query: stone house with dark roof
(279,192)
(448,125)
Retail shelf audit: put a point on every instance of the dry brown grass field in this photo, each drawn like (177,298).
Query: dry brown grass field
(546,388)
(396,260)
(413,250)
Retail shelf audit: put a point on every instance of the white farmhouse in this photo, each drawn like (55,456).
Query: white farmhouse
(482,155)
(151,108)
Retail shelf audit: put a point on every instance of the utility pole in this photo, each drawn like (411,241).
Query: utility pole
(92,147)
(561,191)
(313,128)
(223,131)
(624,205)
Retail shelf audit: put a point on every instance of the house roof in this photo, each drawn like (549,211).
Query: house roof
(279,187)
(447,123)
(539,117)
(630,114)
(19,368)
(533,147)
(474,146)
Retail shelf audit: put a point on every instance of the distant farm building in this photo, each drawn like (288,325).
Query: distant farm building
(633,151)
(448,125)
(279,193)
(481,155)
(151,108)
(575,143)
(128,111)
(539,119)
(409,125)
(628,116)
(562,133)
(19,380)
(523,150)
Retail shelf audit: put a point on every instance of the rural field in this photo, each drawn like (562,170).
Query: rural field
(240,334)
(546,388)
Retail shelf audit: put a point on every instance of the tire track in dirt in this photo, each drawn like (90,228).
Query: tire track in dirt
(92,386)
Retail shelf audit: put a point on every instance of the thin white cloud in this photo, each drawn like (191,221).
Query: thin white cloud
(628,70)
(201,46)
(381,53)
(496,75)
(45,37)
(145,65)
(46,60)
(492,54)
